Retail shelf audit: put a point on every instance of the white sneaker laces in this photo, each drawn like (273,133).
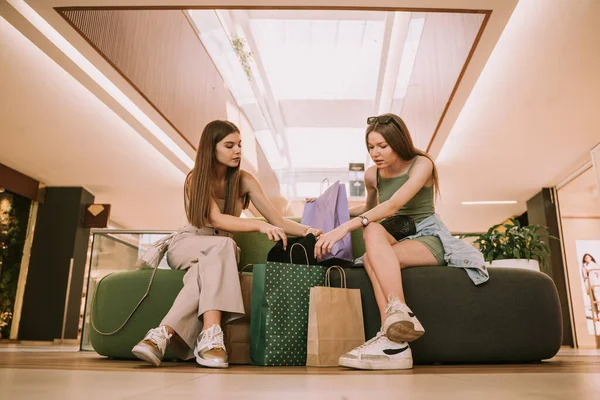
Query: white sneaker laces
(213,337)
(370,342)
(159,336)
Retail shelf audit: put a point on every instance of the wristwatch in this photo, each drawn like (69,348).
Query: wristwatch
(364,220)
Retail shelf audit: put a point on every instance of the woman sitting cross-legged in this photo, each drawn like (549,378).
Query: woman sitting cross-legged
(216,192)
(403,181)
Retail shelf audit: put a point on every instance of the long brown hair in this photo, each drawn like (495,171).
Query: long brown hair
(585,255)
(401,142)
(197,189)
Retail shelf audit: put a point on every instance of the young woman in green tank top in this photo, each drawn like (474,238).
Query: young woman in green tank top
(403,181)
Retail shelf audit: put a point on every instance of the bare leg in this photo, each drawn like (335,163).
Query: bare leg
(383,261)
(379,296)
(400,325)
(170,330)
(210,318)
(387,257)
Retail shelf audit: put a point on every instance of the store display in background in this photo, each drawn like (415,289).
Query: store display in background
(14,216)
(590,282)
(356,179)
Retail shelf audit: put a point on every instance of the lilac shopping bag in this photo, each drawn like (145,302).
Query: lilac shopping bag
(327,212)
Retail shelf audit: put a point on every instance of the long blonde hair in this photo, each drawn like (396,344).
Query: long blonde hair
(197,188)
(400,141)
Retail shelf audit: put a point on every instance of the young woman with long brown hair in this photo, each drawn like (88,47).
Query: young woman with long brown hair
(403,181)
(216,192)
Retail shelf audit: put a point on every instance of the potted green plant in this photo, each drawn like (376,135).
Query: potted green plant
(512,245)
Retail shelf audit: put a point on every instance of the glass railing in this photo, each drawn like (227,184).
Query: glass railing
(113,250)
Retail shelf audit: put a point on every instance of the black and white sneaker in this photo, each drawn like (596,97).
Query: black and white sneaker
(400,324)
(378,353)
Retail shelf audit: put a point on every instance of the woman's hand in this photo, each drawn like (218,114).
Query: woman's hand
(316,232)
(327,240)
(274,233)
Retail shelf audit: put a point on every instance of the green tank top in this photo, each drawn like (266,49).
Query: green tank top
(419,207)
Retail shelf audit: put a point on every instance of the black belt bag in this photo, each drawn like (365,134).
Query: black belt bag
(400,226)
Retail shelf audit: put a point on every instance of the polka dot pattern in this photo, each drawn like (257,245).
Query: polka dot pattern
(287,291)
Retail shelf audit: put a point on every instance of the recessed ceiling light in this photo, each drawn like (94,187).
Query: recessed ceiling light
(472,203)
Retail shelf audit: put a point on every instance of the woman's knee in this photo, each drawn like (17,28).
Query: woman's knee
(229,242)
(373,231)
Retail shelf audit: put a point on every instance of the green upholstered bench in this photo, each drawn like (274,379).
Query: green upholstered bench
(515,317)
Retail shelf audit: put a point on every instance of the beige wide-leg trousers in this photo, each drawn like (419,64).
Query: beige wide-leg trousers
(210,283)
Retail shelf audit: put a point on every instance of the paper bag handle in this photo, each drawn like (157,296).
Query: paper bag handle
(303,248)
(342,276)
(322,182)
(245,266)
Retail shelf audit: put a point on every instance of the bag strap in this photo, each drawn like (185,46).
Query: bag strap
(244,267)
(167,240)
(303,248)
(342,276)
(130,315)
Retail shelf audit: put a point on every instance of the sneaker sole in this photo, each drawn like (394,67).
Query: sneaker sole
(210,364)
(401,328)
(403,331)
(145,354)
(405,363)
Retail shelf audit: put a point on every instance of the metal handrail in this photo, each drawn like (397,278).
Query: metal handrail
(112,234)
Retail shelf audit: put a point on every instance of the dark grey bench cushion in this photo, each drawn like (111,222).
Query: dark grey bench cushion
(514,317)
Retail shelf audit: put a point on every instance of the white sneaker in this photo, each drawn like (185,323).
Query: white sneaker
(400,324)
(378,353)
(153,347)
(210,350)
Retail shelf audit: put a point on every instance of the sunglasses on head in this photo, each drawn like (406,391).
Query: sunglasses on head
(384,119)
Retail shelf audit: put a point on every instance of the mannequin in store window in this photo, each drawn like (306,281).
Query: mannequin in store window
(216,192)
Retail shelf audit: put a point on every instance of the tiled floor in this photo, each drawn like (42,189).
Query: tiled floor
(68,374)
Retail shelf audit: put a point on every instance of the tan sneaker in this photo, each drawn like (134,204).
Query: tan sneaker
(400,324)
(153,347)
(210,350)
